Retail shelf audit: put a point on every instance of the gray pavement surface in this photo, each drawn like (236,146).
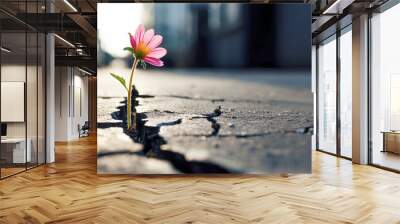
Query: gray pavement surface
(264,125)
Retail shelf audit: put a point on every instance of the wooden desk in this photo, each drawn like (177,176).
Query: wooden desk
(13,150)
(391,141)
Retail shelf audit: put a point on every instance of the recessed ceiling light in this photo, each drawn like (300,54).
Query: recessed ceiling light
(84,71)
(338,6)
(65,41)
(5,50)
(70,5)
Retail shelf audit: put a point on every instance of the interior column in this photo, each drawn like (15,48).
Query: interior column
(50,92)
(360,90)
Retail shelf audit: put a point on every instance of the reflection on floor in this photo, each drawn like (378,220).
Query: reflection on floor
(386,159)
(11,169)
(70,191)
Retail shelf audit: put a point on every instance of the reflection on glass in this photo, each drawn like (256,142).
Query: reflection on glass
(346,94)
(31,97)
(41,99)
(14,153)
(385,114)
(394,102)
(22,90)
(327,96)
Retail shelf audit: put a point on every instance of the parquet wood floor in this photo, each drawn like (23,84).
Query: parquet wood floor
(70,191)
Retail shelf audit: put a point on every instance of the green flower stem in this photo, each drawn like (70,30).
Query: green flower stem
(129,103)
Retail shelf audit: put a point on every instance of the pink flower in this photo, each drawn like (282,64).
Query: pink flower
(145,46)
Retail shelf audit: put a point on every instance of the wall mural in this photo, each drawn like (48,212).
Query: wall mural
(188,88)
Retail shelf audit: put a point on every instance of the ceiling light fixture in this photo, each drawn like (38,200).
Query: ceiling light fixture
(70,5)
(65,41)
(84,71)
(79,51)
(337,7)
(5,50)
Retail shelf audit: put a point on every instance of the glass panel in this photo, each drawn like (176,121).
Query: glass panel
(41,99)
(13,85)
(327,96)
(31,98)
(385,84)
(32,89)
(346,94)
(22,88)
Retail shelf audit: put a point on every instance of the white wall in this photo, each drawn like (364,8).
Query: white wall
(14,73)
(80,89)
(62,82)
(70,84)
(33,125)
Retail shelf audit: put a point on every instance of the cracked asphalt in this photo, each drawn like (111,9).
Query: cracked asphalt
(209,121)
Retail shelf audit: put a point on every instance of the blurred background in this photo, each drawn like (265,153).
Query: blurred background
(213,35)
(253,61)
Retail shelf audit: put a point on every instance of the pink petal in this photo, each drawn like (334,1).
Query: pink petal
(139,34)
(133,42)
(158,53)
(148,36)
(154,61)
(155,42)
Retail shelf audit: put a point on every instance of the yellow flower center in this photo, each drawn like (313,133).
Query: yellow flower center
(141,51)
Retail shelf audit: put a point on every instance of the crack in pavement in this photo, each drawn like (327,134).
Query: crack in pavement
(117,152)
(170,123)
(211,118)
(306,130)
(178,121)
(214,100)
(214,125)
(152,141)
(109,124)
(165,111)
(150,138)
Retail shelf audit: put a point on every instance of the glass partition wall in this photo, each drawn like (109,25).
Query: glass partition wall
(345,91)
(327,95)
(13,91)
(385,89)
(334,104)
(22,77)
